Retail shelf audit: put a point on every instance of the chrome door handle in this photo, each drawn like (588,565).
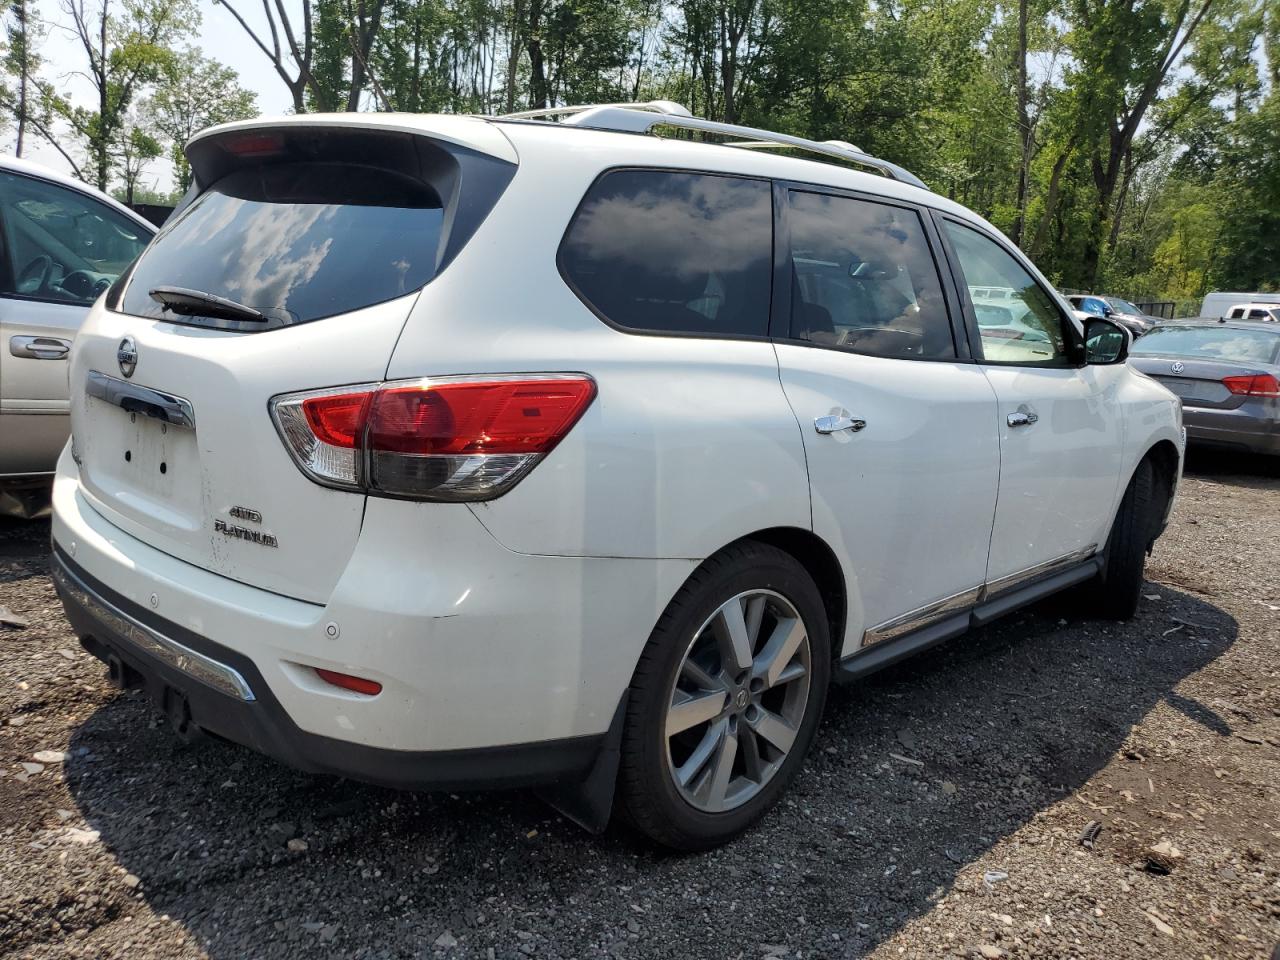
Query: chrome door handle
(132,398)
(833,424)
(1021,419)
(39,348)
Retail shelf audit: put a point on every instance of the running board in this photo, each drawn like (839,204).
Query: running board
(878,656)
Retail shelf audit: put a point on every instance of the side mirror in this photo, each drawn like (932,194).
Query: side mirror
(1105,342)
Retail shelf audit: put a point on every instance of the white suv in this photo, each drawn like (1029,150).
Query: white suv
(442,451)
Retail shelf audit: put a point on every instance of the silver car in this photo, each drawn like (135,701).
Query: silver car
(1227,373)
(62,244)
(1115,309)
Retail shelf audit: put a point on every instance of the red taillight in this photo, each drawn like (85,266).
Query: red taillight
(337,420)
(507,416)
(464,438)
(1253,385)
(370,688)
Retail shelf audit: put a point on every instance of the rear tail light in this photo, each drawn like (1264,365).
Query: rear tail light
(451,438)
(1253,385)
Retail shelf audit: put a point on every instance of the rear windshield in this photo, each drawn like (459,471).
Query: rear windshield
(296,242)
(1210,343)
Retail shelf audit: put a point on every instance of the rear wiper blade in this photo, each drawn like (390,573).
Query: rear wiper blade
(188,302)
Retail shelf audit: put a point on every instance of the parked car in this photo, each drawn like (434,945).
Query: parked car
(1227,374)
(1217,304)
(1269,312)
(64,243)
(439,451)
(1114,308)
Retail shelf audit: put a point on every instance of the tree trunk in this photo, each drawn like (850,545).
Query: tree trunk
(537,69)
(1050,201)
(22,112)
(1024,126)
(103,136)
(513,54)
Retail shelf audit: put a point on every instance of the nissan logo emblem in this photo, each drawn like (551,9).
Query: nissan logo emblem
(127,356)
(1178,366)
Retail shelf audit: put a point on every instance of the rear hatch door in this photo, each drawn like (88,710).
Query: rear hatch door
(326,234)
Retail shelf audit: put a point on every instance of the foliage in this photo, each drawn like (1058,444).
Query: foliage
(195,92)
(1131,145)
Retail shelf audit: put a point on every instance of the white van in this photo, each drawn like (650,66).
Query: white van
(1217,304)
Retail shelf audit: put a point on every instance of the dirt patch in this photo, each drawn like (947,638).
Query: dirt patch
(1032,733)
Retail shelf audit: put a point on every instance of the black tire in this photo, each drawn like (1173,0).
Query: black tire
(647,793)
(1116,594)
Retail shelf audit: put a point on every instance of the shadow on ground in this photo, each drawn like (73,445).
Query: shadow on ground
(1242,469)
(1005,722)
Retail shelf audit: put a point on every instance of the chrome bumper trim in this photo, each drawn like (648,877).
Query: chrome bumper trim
(196,665)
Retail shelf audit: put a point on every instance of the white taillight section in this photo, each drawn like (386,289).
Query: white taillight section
(325,454)
(446,438)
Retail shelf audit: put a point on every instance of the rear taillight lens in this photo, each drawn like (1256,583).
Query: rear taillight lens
(1254,385)
(450,438)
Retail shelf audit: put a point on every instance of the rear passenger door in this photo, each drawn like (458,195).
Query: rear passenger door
(898,421)
(1060,426)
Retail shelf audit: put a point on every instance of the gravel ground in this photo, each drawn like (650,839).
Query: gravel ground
(941,814)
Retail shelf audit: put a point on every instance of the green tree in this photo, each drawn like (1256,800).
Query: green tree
(134,148)
(22,62)
(195,93)
(126,47)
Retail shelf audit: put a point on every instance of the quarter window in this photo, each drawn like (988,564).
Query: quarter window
(678,253)
(863,278)
(1022,325)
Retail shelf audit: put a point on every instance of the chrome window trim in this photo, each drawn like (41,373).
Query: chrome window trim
(196,665)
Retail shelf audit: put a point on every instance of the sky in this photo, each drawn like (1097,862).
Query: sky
(218,36)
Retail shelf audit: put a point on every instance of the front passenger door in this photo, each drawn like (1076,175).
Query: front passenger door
(898,422)
(1059,420)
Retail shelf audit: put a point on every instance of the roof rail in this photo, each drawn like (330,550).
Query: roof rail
(656,106)
(643,117)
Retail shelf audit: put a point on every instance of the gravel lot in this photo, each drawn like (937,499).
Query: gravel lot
(940,815)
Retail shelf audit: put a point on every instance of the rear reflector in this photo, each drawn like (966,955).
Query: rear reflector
(1255,385)
(369,688)
(450,438)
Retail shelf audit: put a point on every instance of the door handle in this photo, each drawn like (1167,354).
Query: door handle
(39,348)
(833,424)
(1021,418)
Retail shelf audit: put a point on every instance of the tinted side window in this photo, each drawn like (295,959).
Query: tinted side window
(863,278)
(1023,326)
(666,252)
(64,246)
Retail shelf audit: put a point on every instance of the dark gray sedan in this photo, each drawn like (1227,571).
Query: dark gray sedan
(1227,374)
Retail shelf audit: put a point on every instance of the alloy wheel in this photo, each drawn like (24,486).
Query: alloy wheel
(738,700)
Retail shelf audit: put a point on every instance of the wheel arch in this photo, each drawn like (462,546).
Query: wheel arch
(1166,461)
(820,562)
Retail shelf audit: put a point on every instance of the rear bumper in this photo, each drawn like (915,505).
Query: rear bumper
(223,692)
(477,648)
(1244,428)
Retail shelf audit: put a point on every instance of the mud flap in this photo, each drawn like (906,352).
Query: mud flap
(589,802)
